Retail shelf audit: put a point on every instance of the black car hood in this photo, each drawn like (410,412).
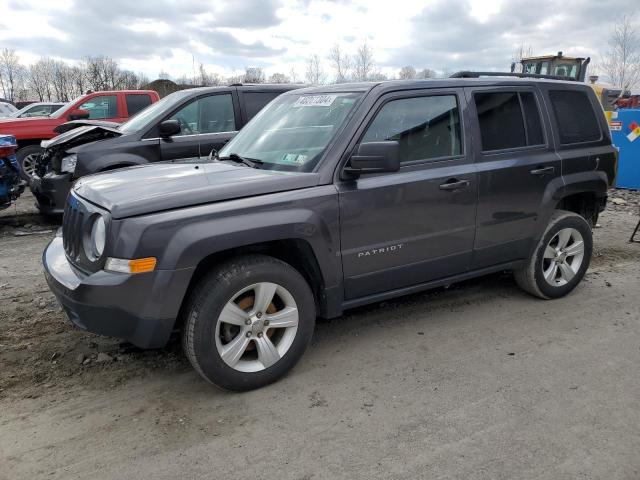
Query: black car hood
(75,136)
(162,186)
(65,127)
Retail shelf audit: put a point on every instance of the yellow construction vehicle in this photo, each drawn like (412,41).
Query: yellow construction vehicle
(570,68)
(573,68)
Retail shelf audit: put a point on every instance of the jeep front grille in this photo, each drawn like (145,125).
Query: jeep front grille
(72,223)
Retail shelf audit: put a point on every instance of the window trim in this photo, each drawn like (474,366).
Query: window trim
(404,95)
(518,91)
(557,124)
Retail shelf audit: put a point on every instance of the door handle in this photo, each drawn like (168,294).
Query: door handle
(454,184)
(542,170)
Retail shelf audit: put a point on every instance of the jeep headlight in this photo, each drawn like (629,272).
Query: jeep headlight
(69,163)
(97,238)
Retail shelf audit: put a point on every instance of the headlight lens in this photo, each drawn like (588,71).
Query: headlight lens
(69,163)
(98,235)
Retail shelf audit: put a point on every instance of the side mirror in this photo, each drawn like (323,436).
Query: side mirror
(375,157)
(79,114)
(169,128)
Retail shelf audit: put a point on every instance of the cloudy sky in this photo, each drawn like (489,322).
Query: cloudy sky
(153,35)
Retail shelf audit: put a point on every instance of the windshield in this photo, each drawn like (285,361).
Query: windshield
(292,132)
(65,109)
(141,119)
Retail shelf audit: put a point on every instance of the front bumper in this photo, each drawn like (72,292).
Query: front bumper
(51,191)
(140,308)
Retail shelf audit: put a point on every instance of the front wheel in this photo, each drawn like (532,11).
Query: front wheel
(27,159)
(560,259)
(248,322)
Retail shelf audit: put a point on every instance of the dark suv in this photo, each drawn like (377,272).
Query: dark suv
(188,123)
(331,198)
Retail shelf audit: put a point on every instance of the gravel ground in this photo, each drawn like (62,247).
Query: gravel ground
(475,381)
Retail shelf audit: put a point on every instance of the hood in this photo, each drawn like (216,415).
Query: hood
(163,186)
(65,127)
(80,135)
(27,121)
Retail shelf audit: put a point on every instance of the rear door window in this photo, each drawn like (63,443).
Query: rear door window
(576,119)
(136,102)
(508,120)
(256,101)
(425,127)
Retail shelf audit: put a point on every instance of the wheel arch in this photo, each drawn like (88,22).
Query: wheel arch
(583,193)
(294,251)
(29,142)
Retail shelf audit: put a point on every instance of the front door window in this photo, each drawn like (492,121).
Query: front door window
(101,106)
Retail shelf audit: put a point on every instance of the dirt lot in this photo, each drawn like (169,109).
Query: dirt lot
(475,381)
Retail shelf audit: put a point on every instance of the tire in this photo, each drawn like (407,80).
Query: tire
(216,315)
(553,269)
(26,157)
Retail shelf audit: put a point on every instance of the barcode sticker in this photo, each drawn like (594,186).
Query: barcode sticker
(315,101)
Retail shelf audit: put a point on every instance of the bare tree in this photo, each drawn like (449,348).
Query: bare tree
(363,63)
(377,76)
(79,82)
(407,73)
(205,78)
(254,75)
(315,74)
(621,62)
(37,81)
(341,64)
(11,72)
(279,78)
(293,75)
(522,51)
(427,73)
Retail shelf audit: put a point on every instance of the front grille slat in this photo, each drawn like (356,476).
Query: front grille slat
(75,222)
(72,222)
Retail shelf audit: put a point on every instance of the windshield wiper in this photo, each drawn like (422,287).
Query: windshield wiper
(234,157)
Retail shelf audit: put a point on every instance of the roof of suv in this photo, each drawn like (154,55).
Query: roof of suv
(391,85)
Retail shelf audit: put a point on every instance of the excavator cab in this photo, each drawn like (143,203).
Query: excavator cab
(573,68)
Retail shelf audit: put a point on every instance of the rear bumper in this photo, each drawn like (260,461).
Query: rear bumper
(141,309)
(51,192)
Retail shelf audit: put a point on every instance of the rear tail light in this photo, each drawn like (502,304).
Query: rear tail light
(6,150)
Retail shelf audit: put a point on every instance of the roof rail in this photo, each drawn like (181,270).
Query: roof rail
(469,74)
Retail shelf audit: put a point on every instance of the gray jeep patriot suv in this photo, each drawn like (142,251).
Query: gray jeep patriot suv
(330,198)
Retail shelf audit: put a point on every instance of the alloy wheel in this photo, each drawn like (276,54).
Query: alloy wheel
(563,257)
(29,164)
(257,327)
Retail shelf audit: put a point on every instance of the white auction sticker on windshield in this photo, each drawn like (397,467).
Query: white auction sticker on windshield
(294,158)
(315,101)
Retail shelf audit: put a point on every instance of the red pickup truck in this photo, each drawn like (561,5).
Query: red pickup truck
(115,106)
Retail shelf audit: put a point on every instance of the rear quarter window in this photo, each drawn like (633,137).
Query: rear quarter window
(575,116)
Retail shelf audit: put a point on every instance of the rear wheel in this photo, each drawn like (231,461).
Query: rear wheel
(560,259)
(248,322)
(27,158)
